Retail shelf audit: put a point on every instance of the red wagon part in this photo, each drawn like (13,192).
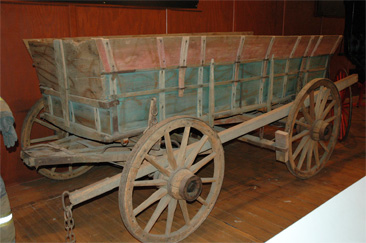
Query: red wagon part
(347,106)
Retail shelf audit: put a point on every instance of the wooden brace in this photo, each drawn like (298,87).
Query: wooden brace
(183,64)
(282,145)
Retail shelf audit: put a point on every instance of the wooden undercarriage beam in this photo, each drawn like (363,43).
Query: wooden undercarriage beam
(59,158)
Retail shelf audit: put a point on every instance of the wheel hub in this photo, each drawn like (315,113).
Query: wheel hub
(185,185)
(321,130)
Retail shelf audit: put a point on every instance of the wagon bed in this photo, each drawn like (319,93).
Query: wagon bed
(100,88)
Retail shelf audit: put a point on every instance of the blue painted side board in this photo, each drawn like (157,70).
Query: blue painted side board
(134,91)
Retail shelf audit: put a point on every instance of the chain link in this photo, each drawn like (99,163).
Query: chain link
(68,220)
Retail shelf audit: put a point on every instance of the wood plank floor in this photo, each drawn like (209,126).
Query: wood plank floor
(259,197)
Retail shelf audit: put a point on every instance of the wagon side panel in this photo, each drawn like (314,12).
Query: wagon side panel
(248,90)
(101,88)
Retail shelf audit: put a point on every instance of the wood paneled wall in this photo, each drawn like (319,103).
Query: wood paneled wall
(210,16)
(262,17)
(21,20)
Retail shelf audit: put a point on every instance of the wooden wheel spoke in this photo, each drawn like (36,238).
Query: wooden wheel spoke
(300,135)
(169,150)
(197,148)
(44,139)
(183,207)
(153,198)
(303,124)
(171,210)
(183,146)
(309,156)
(345,112)
(326,111)
(323,103)
(341,131)
(303,155)
(316,154)
(344,121)
(156,182)
(330,119)
(196,167)
(202,201)
(163,203)
(306,114)
(152,161)
(46,124)
(311,106)
(319,99)
(324,146)
(208,180)
(303,141)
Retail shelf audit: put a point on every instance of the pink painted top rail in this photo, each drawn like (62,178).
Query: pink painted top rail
(126,53)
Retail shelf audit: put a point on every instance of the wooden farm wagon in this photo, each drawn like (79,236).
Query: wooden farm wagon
(152,105)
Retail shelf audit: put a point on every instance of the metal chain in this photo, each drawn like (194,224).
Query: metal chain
(68,219)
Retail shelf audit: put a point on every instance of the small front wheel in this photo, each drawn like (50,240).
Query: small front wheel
(167,192)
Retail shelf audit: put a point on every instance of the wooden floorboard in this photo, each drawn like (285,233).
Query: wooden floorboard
(259,197)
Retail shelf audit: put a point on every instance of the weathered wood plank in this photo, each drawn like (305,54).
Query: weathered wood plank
(281,44)
(62,77)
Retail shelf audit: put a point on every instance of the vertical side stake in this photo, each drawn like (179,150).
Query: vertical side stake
(183,64)
(211,94)
(162,109)
(270,88)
